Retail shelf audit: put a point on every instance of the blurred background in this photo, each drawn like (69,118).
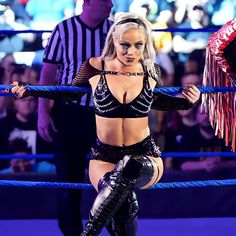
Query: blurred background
(181,56)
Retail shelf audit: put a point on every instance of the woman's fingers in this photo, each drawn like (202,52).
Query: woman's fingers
(191,92)
(15,83)
(18,89)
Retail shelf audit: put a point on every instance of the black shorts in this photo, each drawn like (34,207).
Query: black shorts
(113,154)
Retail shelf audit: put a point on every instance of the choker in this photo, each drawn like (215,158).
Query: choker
(124,73)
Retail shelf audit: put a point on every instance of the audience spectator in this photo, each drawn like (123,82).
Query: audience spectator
(7,63)
(21,15)
(45,16)
(146,8)
(182,131)
(19,146)
(166,12)
(12,43)
(22,123)
(25,74)
(4,101)
(168,68)
(184,6)
(195,62)
(185,42)
(120,6)
(22,120)
(208,142)
(4,111)
(225,12)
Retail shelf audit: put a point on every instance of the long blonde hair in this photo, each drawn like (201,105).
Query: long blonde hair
(124,22)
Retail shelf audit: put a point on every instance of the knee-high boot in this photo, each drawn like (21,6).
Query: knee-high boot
(125,221)
(112,195)
(129,172)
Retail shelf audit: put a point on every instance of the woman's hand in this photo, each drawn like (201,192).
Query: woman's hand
(191,92)
(19,89)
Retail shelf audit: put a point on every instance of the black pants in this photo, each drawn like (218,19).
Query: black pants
(76,135)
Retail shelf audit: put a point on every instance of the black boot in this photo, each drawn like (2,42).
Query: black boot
(112,195)
(130,172)
(124,222)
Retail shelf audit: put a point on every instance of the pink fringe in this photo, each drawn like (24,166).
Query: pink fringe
(220,106)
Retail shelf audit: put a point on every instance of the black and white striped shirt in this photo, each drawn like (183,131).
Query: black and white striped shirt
(71,43)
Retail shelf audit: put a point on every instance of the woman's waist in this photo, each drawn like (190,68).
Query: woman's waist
(110,153)
(121,124)
(106,145)
(122,138)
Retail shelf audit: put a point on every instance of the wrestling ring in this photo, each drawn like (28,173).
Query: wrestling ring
(197,204)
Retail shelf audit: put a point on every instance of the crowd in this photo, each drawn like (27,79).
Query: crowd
(67,128)
(180,56)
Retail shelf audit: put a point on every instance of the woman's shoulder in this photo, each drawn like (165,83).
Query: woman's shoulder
(88,69)
(96,62)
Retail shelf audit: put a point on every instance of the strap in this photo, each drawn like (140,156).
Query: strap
(103,64)
(144,67)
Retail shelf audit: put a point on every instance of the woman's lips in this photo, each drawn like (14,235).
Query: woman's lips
(129,59)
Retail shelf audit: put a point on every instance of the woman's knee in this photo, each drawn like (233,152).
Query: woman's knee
(147,170)
(159,166)
(158,172)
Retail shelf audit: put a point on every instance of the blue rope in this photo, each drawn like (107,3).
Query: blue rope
(166,185)
(197,154)
(169,90)
(194,184)
(13,32)
(163,155)
(5,94)
(26,156)
(188,29)
(46,185)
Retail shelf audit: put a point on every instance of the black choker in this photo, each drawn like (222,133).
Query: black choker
(124,73)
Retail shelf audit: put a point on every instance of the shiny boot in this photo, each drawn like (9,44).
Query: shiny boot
(124,222)
(112,195)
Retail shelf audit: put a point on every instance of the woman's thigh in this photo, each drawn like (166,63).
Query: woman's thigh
(158,171)
(97,169)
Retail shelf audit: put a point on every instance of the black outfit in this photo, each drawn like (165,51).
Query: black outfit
(116,201)
(113,154)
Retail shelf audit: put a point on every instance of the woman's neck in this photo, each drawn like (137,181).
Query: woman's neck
(118,65)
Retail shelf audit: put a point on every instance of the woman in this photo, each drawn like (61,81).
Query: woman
(125,156)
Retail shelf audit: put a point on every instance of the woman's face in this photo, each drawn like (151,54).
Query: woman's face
(130,46)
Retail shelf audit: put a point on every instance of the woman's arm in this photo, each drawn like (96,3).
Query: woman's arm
(81,80)
(166,102)
(20,91)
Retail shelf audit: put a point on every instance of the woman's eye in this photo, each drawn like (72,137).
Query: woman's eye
(124,46)
(139,45)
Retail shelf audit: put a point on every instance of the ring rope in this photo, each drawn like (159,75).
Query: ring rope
(163,155)
(206,29)
(166,185)
(169,90)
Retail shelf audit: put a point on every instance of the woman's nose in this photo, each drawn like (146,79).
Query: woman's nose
(131,50)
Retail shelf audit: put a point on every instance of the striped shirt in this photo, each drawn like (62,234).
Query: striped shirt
(71,43)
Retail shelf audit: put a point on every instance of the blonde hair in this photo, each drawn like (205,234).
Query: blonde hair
(124,22)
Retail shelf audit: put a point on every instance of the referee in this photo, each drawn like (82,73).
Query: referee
(70,126)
